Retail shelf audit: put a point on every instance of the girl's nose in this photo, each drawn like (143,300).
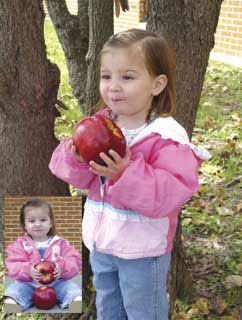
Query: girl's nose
(115,86)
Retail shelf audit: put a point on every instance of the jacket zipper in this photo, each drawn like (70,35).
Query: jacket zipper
(48,249)
(102,186)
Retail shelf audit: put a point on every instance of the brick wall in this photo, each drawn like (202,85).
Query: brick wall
(67,213)
(228,37)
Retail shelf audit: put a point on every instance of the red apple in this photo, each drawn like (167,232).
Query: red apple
(46,268)
(98,134)
(44,297)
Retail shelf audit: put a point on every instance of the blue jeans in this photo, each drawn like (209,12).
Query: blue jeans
(130,289)
(21,292)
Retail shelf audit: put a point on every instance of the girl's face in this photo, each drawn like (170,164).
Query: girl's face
(37,223)
(126,86)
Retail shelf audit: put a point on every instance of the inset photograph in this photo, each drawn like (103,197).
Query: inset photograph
(42,255)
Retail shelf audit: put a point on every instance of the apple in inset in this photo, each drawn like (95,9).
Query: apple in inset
(44,297)
(98,134)
(46,268)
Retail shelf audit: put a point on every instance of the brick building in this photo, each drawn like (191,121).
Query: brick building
(228,37)
(67,212)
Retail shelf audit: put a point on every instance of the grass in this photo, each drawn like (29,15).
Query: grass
(212,220)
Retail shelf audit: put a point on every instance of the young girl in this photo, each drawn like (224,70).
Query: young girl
(133,204)
(40,242)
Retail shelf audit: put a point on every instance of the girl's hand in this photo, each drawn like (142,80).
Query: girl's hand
(115,165)
(35,274)
(75,153)
(57,271)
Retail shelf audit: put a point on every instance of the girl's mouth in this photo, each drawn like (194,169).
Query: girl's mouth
(116,100)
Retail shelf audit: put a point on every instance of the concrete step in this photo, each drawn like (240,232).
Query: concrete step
(10,306)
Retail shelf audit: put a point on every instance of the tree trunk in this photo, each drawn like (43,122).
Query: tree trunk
(28,90)
(72,32)
(81,38)
(190,25)
(100,29)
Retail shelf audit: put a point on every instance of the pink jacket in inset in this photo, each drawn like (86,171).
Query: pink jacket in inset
(137,215)
(23,254)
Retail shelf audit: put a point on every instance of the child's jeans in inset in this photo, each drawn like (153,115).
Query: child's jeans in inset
(130,289)
(21,292)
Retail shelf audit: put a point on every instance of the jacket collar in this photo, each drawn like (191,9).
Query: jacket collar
(27,238)
(169,128)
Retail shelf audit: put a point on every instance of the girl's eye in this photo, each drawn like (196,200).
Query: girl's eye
(128,77)
(105,76)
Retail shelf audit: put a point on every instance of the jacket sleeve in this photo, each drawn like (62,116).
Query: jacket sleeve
(66,167)
(69,261)
(18,262)
(162,185)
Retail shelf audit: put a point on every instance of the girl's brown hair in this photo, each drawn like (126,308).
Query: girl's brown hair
(158,58)
(38,203)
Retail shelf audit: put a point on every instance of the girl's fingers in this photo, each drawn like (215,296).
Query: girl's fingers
(116,157)
(96,168)
(115,165)
(110,162)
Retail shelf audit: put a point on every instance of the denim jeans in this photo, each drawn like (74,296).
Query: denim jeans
(130,289)
(21,292)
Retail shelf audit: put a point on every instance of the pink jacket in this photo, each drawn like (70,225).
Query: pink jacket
(137,215)
(22,255)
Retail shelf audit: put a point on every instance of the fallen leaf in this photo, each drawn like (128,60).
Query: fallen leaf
(200,138)
(233,281)
(181,316)
(202,306)
(193,312)
(237,314)
(223,211)
(239,267)
(239,207)
(219,306)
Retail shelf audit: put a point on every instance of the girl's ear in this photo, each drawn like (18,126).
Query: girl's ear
(159,85)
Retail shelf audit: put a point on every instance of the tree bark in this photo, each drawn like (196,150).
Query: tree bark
(100,29)
(28,90)
(73,34)
(190,25)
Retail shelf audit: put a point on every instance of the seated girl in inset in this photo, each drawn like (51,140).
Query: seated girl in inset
(41,242)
